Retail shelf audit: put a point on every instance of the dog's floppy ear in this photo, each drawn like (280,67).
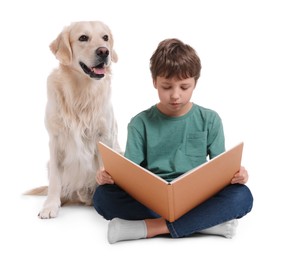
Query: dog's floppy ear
(61,47)
(114,56)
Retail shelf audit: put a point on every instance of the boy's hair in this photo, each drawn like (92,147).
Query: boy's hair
(174,59)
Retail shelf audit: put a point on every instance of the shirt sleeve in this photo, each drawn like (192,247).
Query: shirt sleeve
(135,146)
(216,139)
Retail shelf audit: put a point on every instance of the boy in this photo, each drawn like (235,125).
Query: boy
(169,139)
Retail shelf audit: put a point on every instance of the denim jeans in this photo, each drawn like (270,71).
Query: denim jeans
(234,201)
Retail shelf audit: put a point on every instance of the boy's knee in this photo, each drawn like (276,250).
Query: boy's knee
(100,196)
(248,198)
(99,200)
(96,196)
(104,200)
(243,197)
(245,193)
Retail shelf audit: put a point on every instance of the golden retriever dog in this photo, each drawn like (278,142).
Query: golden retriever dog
(79,114)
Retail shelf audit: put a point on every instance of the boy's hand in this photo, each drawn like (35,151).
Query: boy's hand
(240,177)
(102,177)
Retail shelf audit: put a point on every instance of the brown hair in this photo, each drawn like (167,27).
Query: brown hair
(173,59)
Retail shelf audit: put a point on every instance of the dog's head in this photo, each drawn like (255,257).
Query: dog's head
(86,47)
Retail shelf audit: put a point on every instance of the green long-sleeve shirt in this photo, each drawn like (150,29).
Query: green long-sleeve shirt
(170,146)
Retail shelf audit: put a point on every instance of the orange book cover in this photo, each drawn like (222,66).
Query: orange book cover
(172,199)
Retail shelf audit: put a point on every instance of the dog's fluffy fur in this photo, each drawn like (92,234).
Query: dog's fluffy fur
(79,113)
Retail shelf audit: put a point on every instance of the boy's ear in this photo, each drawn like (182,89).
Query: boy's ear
(154,83)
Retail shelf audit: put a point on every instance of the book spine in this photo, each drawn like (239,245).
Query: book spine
(170,203)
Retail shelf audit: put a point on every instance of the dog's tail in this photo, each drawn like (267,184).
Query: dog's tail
(40,191)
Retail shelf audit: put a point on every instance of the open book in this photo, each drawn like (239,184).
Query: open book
(172,199)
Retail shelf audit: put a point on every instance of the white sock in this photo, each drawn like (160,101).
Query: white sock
(226,229)
(120,229)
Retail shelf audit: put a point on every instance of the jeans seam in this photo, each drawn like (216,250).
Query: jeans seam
(172,230)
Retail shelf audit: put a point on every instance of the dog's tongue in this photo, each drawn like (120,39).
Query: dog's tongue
(98,70)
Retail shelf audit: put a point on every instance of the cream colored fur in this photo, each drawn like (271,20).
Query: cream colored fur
(79,113)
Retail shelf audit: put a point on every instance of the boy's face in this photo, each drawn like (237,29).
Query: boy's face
(174,95)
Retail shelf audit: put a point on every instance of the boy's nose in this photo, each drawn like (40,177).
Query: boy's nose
(174,95)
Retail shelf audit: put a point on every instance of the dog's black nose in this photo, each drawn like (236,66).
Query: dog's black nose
(102,52)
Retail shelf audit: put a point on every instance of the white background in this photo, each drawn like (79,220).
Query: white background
(239,43)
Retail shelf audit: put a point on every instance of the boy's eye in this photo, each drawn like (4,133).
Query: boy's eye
(185,87)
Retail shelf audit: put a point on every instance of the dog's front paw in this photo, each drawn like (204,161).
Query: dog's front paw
(48,212)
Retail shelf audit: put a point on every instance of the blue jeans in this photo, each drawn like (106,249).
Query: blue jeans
(234,201)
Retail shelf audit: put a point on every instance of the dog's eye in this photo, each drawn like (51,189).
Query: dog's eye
(106,38)
(83,38)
